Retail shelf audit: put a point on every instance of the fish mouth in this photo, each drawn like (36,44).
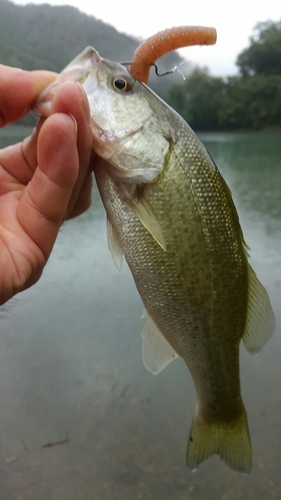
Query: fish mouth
(78,70)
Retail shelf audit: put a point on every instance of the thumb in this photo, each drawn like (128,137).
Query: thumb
(44,202)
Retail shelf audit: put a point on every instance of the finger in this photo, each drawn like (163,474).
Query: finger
(18,89)
(83,200)
(44,202)
(20,160)
(71,99)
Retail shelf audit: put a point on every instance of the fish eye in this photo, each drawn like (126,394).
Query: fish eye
(122,84)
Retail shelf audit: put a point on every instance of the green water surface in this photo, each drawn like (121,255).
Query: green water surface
(71,367)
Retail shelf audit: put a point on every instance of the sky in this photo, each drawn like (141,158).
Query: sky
(234,22)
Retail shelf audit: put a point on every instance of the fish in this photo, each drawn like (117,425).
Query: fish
(171,215)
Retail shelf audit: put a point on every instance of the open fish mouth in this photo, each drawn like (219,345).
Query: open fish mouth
(79,70)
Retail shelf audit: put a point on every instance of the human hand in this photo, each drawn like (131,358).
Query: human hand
(44,180)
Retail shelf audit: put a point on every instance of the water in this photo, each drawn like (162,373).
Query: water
(71,368)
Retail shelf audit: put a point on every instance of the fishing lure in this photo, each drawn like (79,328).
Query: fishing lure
(165,41)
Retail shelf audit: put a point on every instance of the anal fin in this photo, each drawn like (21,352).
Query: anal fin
(156,350)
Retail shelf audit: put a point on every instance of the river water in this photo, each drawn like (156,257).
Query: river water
(80,416)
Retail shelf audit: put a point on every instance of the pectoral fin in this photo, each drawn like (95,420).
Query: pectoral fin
(156,351)
(260,322)
(113,245)
(144,212)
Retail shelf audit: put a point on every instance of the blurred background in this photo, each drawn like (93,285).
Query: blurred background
(80,416)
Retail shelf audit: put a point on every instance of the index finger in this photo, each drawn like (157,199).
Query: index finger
(18,88)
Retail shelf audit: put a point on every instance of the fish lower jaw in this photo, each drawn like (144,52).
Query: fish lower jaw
(102,136)
(106,144)
(103,143)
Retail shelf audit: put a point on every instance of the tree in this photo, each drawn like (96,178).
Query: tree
(263,56)
(198,99)
(252,102)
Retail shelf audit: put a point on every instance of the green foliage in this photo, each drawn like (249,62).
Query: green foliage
(249,101)
(198,99)
(252,102)
(209,103)
(263,56)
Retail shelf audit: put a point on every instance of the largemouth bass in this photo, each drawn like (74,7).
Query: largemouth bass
(171,214)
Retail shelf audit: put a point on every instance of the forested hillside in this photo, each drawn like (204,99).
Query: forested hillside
(48,37)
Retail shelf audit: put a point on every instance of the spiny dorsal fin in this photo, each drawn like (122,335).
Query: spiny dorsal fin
(156,351)
(113,245)
(144,212)
(260,322)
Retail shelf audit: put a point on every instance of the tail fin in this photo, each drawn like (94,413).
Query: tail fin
(231,443)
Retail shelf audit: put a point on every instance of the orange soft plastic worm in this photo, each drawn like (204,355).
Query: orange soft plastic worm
(165,41)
